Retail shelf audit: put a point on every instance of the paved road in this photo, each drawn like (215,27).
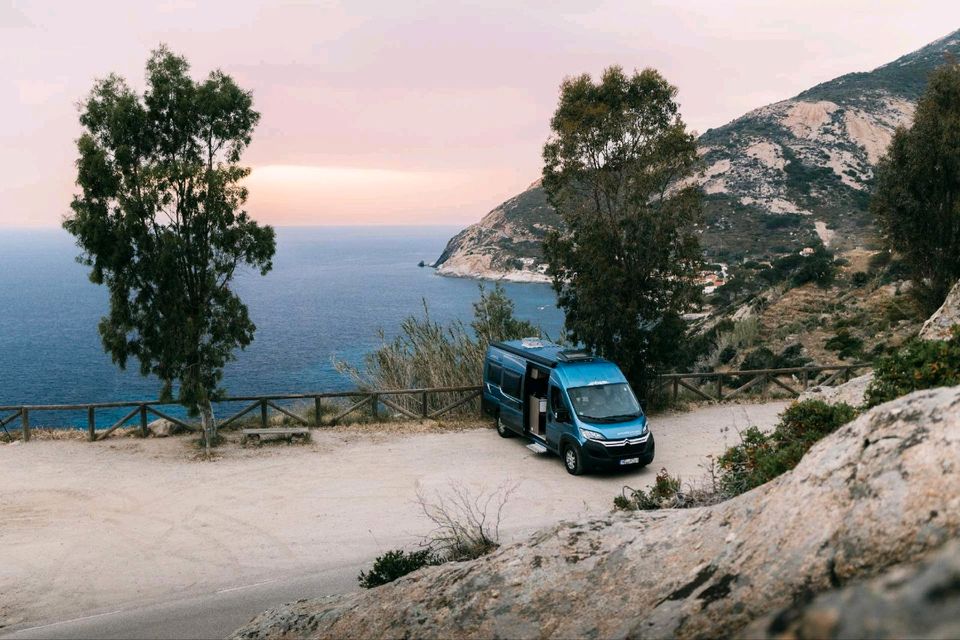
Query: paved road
(138,539)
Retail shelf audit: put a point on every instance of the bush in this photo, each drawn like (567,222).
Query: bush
(845,345)
(860,279)
(920,364)
(466,526)
(395,564)
(760,457)
(428,354)
(666,493)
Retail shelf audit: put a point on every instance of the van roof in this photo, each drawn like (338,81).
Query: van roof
(544,352)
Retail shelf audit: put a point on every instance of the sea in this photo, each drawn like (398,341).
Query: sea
(331,292)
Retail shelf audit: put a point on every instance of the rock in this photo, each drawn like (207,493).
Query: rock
(852,392)
(921,600)
(162,428)
(881,490)
(937,326)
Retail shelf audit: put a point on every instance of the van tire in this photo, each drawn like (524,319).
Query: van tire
(572,459)
(502,429)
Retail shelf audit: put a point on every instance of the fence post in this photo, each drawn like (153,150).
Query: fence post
(374,402)
(91,425)
(25,421)
(719,387)
(317,410)
(143,421)
(805,377)
(423,404)
(263,414)
(676,389)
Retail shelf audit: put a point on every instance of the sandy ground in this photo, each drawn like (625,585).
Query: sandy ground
(92,527)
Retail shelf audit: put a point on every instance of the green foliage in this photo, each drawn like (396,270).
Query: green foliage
(624,266)
(846,345)
(395,564)
(160,221)
(760,457)
(919,364)
(820,268)
(426,353)
(917,197)
(660,496)
(859,279)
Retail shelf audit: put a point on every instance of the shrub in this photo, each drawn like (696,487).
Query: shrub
(760,457)
(860,279)
(920,364)
(845,345)
(465,526)
(667,493)
(395,564)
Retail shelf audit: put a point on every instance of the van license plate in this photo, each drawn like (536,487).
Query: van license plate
(630,461)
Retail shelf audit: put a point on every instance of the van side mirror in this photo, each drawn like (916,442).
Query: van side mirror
(562,415)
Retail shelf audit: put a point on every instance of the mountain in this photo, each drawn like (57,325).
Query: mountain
(774,180)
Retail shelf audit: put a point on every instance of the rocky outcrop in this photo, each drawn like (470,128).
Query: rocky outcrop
(938,326)
(853,392)
(506,244)
(881,490)
(919,600)
(163,428)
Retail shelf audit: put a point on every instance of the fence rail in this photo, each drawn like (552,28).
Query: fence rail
(416,403)
(426,399)
(710,386)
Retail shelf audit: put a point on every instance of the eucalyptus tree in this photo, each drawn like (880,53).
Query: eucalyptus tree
(917,196)
(619,168)
(160,221)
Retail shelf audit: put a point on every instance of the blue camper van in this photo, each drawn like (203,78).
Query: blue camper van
(565,401)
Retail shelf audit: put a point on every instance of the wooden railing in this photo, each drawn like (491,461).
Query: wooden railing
(710,386)
(416,403)
(421,399)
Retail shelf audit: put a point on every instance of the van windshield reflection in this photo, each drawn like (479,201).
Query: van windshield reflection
(605,402)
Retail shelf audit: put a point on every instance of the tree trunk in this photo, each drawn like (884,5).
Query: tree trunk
(208,423)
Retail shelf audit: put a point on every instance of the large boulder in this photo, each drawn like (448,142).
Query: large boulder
(162,428)
(920,600)
(881,490)
(853,392)
(937,326)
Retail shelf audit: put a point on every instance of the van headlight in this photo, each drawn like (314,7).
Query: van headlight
(592,435)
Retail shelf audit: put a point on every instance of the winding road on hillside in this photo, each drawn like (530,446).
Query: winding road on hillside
(133,538)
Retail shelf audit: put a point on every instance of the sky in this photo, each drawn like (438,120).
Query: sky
(414,112)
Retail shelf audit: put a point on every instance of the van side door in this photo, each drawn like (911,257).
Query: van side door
(511,403)
(559,420)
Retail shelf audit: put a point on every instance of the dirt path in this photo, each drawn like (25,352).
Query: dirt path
(89,528)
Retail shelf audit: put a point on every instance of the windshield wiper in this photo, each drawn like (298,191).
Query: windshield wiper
(623,417)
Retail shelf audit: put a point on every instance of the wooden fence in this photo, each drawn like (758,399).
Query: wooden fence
(710,386)
(422,399)
(419,403)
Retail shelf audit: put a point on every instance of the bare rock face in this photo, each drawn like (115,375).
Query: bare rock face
(937,326)
(852,392)
(920,600)
(882,490)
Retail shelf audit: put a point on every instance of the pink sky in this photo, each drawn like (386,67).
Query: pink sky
(414,113)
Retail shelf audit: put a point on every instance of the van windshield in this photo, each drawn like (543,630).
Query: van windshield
(605,402)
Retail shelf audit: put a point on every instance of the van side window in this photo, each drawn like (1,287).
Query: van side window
(556,399)
(511,384)
(493,373)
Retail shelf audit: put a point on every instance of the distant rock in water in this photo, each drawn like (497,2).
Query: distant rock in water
(882,490)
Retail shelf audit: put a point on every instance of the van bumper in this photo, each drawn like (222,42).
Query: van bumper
(598,454)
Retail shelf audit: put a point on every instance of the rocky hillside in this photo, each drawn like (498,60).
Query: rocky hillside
(506,244)
(880,491)
(775,178)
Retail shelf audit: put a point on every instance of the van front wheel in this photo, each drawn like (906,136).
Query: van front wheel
(572,460)
(502,428)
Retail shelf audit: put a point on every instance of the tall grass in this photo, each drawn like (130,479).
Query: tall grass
(426,353)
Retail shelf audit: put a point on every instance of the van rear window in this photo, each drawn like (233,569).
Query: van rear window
(493,373)
(511,384)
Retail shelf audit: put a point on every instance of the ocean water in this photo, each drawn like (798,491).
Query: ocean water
(330,292)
